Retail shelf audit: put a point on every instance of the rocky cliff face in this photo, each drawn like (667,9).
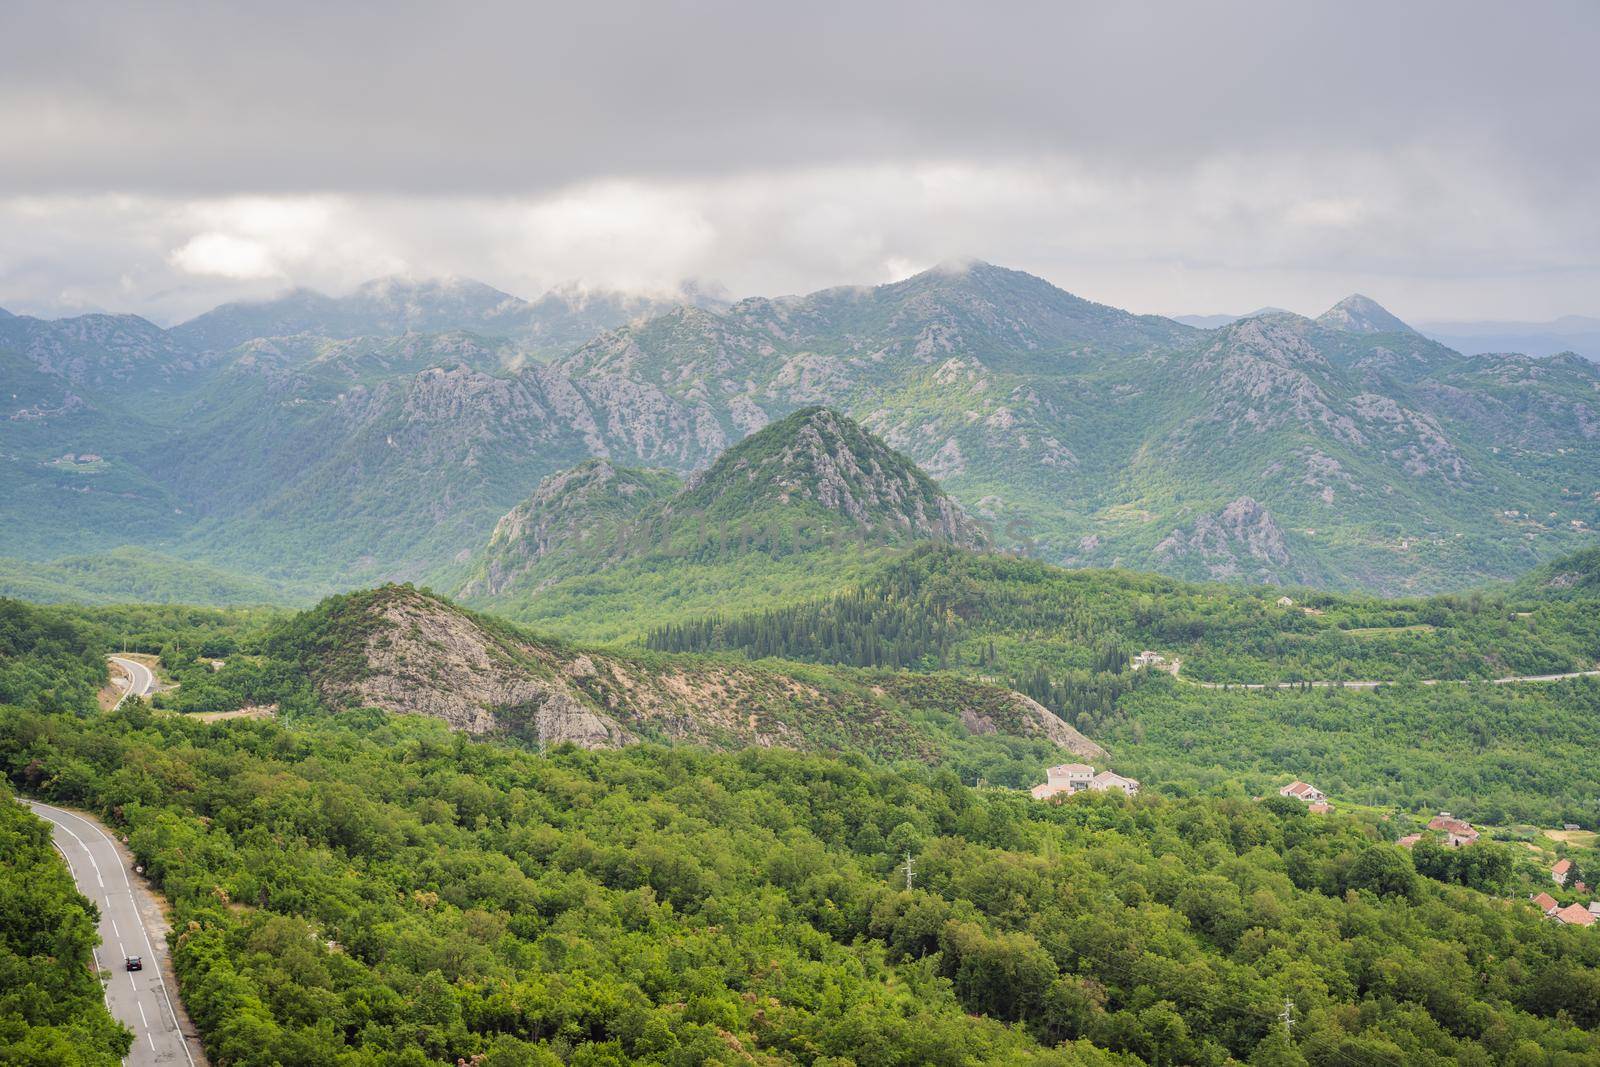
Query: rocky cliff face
(579,512)
(1241,542)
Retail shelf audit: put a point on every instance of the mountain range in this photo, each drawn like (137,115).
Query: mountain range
(1579,334)
(329,442)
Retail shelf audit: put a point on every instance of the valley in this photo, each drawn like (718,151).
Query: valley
(499,691)
(684,535)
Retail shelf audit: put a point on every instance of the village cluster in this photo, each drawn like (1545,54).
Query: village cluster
(1572,914)
(1073,778)
(1457,833)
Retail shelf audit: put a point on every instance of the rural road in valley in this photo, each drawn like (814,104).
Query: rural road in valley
(131,924)
(141,680)
(1511,680)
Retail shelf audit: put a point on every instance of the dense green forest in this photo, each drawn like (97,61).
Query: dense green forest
(941,606)
(128,575)
(1492,753)
(51,1011)
(353,887)
(366,889)
(46,661)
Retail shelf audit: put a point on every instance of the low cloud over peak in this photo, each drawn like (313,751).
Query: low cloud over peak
(1150,155)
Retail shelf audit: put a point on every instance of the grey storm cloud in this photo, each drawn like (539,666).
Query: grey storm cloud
(200,98)
(1165,155)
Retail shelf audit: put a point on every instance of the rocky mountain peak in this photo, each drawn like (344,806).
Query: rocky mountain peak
(819,457)
(1361,314)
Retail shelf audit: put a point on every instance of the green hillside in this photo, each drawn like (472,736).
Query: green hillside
(1067,638)
(128,575)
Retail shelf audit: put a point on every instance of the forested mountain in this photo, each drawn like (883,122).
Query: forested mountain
(1274,448)
(1346,451)
(576,517)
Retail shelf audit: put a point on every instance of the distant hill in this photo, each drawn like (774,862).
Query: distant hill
(1212,322)
(1361,314)
(789,509)
(1570,333)
(133,575)
(406,651)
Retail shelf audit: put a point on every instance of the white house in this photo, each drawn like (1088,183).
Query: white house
(1561,871)
(1071,778)
(1107,780)
(1066,778)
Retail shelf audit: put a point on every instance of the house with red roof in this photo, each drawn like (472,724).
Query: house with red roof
(1546,903)
(1561,871)
(1409,841)
(1575,915)
(1303,791)
(1456,832)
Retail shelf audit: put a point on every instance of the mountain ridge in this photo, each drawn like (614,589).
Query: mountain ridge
(407,651)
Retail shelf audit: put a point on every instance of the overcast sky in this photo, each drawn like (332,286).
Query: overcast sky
(1178,157)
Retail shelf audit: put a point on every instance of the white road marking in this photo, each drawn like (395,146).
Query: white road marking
(86,852)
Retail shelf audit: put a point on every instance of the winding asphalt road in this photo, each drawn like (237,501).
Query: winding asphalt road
(131,924)
(140,679)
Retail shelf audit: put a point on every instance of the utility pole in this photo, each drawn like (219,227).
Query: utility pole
(1287,1017)
(908,870)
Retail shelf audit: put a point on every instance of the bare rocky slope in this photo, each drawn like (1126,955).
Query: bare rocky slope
(405,651)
